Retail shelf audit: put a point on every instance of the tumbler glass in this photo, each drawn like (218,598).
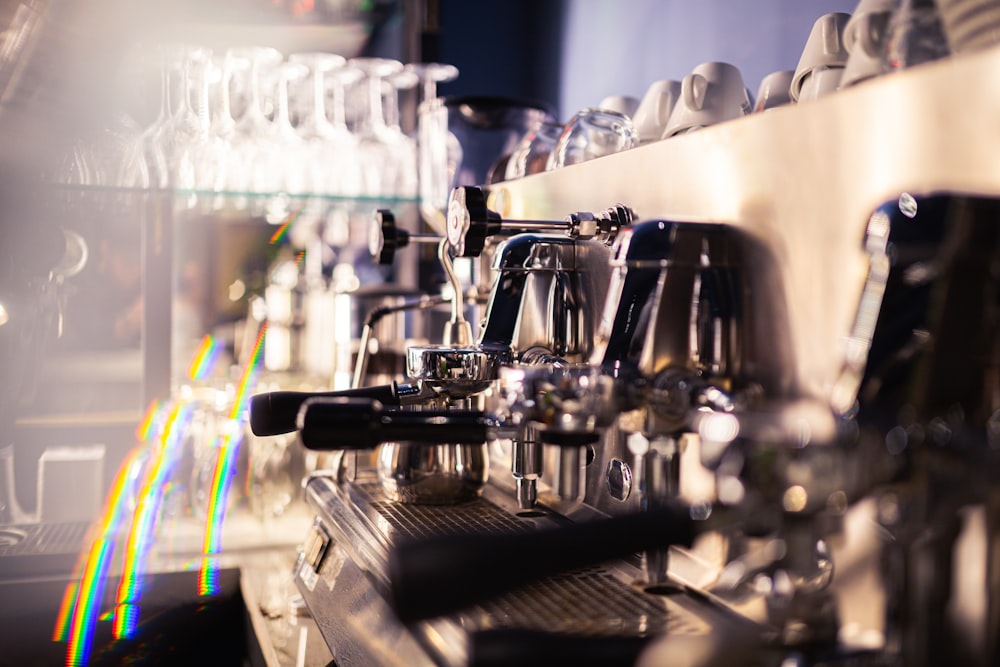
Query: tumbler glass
(532,153)
(592,133)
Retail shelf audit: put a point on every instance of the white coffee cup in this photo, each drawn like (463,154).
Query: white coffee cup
(623,104)
(712,93)
(773,90)
(654,109)
(863,38)
(820,82)
(824,50)
(852,31)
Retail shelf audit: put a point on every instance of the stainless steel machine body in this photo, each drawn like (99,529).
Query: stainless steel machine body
(736,350)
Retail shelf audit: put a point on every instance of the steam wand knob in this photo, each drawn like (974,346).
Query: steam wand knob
(470,223)
(385,238)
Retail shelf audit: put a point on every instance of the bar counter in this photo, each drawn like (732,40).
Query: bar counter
(69,595)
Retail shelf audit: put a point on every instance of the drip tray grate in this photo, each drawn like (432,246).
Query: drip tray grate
(40,549)
(422,521)
(591,601)
(42,539)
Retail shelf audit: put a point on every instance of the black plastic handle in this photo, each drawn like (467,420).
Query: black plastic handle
(443,575)
(534,648)
(358,423)
(277,411)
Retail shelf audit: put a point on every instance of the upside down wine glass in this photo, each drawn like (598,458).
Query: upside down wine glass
(342,177)
(405,145)
(247,172)
(377,144)
(438,150)
(282,152)
(315,130)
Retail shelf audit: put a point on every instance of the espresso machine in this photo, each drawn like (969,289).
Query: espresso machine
(711,415)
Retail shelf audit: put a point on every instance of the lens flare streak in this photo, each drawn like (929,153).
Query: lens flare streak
(282,231)
(78,612)
(225,467)
(150,500)
(160,434)
(205,358)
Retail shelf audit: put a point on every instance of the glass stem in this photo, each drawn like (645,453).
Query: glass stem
(225,109)
(375,102)
(281,117)
(319,91)
(201,102)
(339,105)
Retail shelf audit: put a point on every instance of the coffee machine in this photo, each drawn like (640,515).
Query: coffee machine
(736,418)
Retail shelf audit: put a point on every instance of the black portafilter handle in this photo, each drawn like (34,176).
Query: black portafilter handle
(360,423)
(277,412)
(443,575)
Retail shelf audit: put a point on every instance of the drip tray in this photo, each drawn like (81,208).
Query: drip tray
(595,602)
(424,521)
(29,550)
(592,601)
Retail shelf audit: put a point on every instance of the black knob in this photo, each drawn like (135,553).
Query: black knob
(469,221)
(360,423)
(385,238)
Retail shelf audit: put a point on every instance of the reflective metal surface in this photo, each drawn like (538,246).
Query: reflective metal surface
(597,602)
(796,341)
(848,152)
(458,372)
(433,475)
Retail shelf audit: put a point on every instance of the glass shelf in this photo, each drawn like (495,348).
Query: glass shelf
(231,194)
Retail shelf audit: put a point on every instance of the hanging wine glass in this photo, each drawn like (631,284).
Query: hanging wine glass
(222,126)
(245,170)
(185,127)
(313,121)
(208,152)
(429,75)
(376,143)
(223,123)
(153,137)
(128,162)
(405,146)
(438,149)
(282,155)
(74,167)
(342,177)
(315,129)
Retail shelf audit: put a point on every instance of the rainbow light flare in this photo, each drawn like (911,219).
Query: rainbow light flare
(205,358)
(84,612)
(144,430)
(111,517)
(77,613)
(282,231)
(229,447)
(160,434)
(150,498)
